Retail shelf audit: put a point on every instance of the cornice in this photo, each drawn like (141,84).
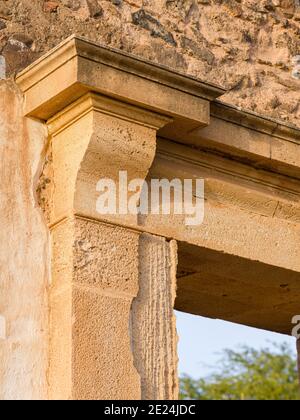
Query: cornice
(235,170)
(255,121)
(76,46)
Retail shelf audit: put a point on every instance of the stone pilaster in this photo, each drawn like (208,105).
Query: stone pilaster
(99,267)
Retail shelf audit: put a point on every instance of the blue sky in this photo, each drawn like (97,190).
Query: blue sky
(202,340)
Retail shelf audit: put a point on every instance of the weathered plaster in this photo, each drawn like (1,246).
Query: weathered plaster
(24,254)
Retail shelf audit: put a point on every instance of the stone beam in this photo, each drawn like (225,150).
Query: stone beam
(221,286)
(244,206)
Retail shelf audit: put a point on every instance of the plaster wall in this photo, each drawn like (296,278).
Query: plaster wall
(24,254)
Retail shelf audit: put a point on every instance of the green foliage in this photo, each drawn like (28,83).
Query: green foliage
(248,375)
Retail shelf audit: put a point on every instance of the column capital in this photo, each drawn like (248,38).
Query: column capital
(90,140)
(94,102)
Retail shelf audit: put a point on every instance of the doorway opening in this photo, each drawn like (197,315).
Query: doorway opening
(227,302)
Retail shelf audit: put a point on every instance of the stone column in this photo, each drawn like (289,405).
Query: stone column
(96,260)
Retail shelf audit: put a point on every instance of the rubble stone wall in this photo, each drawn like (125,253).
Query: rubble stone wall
(24,254)
(251,47)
